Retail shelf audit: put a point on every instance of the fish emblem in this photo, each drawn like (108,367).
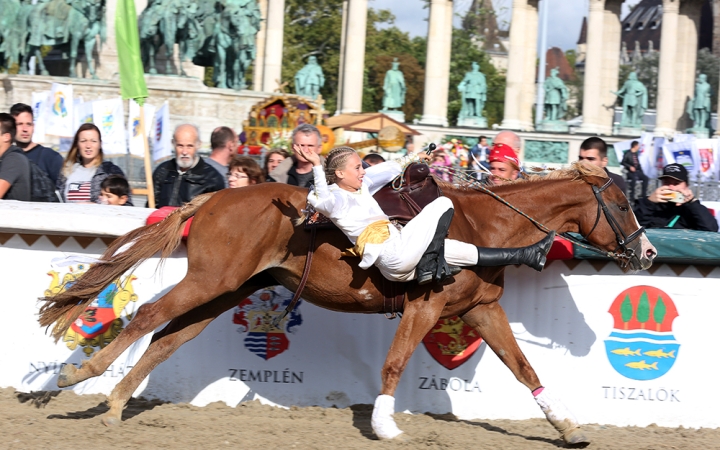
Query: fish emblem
(642,365)
(660,353)
(626,352)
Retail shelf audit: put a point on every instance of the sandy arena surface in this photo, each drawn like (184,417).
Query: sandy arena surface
(64,420)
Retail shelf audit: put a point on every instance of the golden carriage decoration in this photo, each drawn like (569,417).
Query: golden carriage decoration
(271,122)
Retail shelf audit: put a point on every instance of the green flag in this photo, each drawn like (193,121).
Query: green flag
(132,75)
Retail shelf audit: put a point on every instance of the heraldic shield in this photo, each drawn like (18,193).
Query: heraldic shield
(451,342)
(102,320)
(256,316)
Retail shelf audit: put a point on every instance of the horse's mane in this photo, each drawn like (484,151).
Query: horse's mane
(576,172)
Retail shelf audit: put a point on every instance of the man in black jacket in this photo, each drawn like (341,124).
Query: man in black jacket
(14,165)
(179,180)
(46,158)
(594,151)
(673,205)
(631,161)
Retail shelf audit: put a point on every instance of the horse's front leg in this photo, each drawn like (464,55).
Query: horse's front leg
(490,321)
(419,317)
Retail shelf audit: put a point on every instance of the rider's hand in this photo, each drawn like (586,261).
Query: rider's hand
(660,195)
(307,155)
(422,156)
(632,169)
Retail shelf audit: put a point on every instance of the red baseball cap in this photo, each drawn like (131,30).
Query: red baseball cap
(503,153)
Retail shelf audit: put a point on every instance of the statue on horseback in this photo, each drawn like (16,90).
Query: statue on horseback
(166,23)
(14,31)
(71,22)
(580,200)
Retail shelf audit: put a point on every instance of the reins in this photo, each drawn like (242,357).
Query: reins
(303,280)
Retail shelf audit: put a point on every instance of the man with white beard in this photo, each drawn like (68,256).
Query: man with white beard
(179,180)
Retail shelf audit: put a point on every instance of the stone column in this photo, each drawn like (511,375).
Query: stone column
(678,58)
(272,72)
(520,87)
(437,72)
(259,63)
(353,57)
(602,65)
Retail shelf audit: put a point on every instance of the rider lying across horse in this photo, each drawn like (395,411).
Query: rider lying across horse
(344,193)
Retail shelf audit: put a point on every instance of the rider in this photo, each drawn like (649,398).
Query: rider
(344,193)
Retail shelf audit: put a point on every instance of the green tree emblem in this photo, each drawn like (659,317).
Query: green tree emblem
(626,311)
(643,310)
(659,313)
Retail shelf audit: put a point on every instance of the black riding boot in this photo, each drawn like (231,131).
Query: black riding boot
(432,265)
(533,256)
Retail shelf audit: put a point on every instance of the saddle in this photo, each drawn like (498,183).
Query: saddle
(401,199)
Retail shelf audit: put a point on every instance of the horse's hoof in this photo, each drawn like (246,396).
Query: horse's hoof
(402,437)
(575,438)
(111,421)
(67,376)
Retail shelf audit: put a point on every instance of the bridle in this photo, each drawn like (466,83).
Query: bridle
(622,253)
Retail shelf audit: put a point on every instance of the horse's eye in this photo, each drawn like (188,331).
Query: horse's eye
(624,208)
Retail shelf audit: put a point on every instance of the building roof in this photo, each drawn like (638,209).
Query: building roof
(582,39)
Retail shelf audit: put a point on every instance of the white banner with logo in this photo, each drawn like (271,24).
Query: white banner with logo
(161,137)
(706,152)
(136,142)
(40,111)
(83,113)
(59,107)
(618,349)
(110,119)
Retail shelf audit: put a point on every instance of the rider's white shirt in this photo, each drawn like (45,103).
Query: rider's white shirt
(352,212)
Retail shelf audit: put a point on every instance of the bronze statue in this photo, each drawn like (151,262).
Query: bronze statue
(57,22)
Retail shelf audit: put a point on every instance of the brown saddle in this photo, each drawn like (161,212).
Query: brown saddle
(405,196)
(401,199)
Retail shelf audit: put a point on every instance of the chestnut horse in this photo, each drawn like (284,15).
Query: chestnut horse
(245,239)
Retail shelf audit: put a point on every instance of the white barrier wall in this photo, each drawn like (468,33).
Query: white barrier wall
(620,349)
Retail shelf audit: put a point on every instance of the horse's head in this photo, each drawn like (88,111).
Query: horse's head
(612,225)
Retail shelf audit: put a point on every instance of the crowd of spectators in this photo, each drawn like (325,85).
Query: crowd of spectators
(84,176)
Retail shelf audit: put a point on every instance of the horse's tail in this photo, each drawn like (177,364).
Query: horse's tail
(164,237)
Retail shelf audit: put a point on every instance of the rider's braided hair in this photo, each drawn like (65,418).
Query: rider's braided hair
(336,160)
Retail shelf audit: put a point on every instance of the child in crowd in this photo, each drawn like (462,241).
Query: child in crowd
(115,190)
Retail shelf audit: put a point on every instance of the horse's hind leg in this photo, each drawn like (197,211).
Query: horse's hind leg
(191,292)
(417,320)
(490,321)
(164,344)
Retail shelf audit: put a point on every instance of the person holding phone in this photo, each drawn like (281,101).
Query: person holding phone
(673,204)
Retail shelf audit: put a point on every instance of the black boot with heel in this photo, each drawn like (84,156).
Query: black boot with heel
(533,256)
(432,266)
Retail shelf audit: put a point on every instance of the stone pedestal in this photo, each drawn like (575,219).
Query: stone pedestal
(627,131)
(700,133)
(395,115)
(473,122)
(189,99)
(553,126)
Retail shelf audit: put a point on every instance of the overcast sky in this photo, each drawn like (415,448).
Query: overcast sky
(564,21)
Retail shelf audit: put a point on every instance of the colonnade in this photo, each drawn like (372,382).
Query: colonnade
(678,57)
(268,63)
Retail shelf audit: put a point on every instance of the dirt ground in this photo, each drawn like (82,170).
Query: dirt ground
(64,420)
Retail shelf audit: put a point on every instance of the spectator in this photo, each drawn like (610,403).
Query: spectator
(632,163)
(115,190)
(272,160)
(179,180)
(594,151)
(373,158)
(673,205)
(440,164)
(224,145)
(504,164)
(296,170)
(244,171)
(47,159)
(480,151)
(14,166)
(84,170)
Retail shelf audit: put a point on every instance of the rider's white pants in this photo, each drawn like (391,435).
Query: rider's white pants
(403,250)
